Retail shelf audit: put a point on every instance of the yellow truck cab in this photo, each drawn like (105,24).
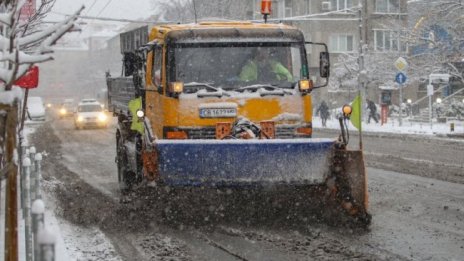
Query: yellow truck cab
(193,79)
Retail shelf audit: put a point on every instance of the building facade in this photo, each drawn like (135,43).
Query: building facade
(336,22)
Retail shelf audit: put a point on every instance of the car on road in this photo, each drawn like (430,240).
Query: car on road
(35,109)
(90,114)
(66,109)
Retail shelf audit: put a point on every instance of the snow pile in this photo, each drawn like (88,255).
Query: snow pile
(392,126)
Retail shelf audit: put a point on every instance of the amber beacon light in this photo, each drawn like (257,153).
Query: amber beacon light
(266,6)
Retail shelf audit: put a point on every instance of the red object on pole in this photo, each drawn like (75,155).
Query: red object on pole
(266,7)
(30,80)
(383,114)
(27,11)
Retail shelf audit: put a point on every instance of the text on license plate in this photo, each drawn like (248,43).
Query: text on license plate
(218,112)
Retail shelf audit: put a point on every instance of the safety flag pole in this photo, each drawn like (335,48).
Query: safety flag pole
(360,120)
(356,116)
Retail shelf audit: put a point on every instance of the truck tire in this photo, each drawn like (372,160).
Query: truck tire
(126,178)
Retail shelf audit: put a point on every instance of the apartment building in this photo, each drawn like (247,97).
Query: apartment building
(336,22)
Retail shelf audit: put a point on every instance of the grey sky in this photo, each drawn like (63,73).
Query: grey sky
(125,9)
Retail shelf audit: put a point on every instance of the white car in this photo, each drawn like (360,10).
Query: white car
(35,109)
(90,114)
(67,108)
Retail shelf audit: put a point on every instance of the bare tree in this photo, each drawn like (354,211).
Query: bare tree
(432,52)
(16,39)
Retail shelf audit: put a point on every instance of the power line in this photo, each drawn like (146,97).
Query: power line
(123,20)
(90,8)
(309,17)
(103,9)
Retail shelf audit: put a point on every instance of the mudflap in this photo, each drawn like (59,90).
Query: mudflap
(348,185)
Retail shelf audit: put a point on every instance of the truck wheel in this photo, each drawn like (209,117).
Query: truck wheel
(126,178)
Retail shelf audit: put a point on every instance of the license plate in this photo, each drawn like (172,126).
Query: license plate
(218,112)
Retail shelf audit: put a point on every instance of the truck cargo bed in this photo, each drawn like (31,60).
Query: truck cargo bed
(120,91)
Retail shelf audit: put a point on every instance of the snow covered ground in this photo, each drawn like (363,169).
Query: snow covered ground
(78,243)
(72,243)
(392,126)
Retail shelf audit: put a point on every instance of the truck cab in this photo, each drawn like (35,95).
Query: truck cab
(200,75)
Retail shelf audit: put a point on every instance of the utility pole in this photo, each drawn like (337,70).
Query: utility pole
(400,120)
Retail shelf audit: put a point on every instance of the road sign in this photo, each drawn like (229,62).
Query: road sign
(400,78)
(29,80)
(401,64)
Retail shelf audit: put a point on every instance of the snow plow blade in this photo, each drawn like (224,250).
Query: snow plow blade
(235,162)
(337,177)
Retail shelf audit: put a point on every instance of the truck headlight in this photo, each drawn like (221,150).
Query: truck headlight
(80,119)
(62,111)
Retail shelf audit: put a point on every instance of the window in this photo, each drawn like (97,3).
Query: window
(387,6)
(235,64)
(341,43)
(309,47)
(387,40)
(341,4)
(288,8)
(156,70)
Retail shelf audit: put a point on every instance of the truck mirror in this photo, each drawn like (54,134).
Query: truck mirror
(324,64)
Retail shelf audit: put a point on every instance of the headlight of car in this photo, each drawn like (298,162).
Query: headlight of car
(63,111)
(80,118)
(102,117)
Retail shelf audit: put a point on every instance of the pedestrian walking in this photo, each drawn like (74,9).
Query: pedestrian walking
(324,113)
(372,111)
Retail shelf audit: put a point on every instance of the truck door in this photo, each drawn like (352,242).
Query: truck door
(155,89)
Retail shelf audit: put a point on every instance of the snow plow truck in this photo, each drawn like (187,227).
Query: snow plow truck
(194,110)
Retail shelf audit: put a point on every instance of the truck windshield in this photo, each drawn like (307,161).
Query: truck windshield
(234,65)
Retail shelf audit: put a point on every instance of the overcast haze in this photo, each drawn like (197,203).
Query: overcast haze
(126,9)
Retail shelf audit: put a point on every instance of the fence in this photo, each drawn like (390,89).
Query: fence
(39,242)
(17,158)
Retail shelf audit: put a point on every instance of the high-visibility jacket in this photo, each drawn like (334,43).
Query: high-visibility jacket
(134,106)
(251,70)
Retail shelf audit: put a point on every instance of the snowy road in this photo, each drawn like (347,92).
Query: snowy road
(413,217)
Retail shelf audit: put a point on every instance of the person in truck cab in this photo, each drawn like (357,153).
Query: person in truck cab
(263,67)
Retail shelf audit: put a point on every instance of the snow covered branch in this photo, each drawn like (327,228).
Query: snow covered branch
(16,54)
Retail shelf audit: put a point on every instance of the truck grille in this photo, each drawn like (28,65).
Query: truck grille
(282,132)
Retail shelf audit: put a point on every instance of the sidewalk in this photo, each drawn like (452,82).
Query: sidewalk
(392,126)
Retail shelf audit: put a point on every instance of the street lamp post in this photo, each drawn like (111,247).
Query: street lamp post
(430,91)
(409,101)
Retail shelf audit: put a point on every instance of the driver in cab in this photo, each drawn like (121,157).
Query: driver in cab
(264,67)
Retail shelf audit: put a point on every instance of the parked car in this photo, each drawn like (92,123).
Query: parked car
(67,108)
(90,114)
(35,109)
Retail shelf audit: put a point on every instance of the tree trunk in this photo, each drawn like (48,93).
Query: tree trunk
(11,204)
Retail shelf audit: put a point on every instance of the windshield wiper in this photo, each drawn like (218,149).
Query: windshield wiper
(218,91)
(280,90)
